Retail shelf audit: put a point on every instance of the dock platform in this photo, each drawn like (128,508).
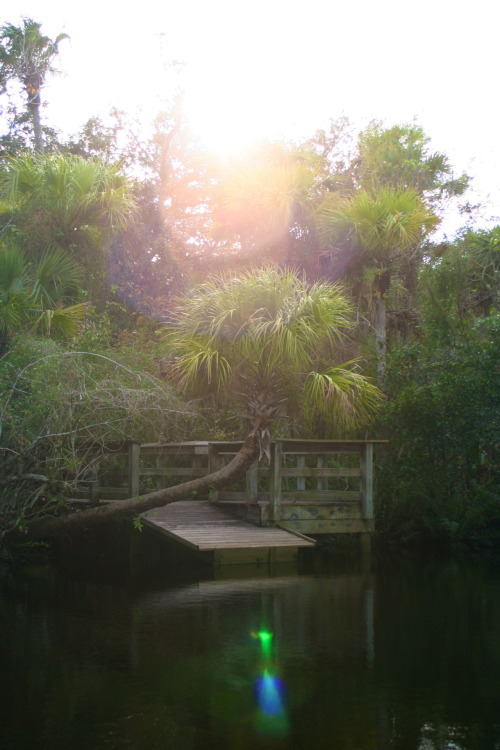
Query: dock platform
(206,528)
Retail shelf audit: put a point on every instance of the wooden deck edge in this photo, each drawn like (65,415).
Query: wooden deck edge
(171,535)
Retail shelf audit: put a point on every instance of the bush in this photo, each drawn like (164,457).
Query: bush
(57,407)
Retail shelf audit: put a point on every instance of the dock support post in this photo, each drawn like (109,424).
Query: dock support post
(134,450)
(367,481)
(275,480)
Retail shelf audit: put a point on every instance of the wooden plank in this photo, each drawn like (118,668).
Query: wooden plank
(291,447)
(174,449)
(320,472)
(326,511)
(240,496)
(332,526)
(260,557)
(322,444)
(202,526)
(171,472)
(310,496)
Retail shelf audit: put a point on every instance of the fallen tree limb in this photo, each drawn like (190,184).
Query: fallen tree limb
(133,506)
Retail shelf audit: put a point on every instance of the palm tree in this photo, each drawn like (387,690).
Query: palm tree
(67,202)
(27,55)
(36,297)
(380,233)
(267,339)
(74,191)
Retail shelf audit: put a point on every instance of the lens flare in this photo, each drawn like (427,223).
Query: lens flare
(270,694)
(271,718)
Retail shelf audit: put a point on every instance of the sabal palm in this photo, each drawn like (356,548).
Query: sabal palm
(69,203)
(37,298)
(75,191)
(267,338)
(27,54)
(380,232)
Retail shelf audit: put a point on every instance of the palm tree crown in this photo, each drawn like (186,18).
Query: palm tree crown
(380,233)
(266,337)
(27,55)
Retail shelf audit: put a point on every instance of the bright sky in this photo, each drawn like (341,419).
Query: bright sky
(282,68)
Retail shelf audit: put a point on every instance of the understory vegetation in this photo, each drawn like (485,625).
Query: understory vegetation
(161,294)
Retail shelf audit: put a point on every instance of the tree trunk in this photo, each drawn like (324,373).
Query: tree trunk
(236,468)
(34,107)
(380,338)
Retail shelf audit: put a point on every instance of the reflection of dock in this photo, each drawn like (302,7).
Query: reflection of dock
(206,528)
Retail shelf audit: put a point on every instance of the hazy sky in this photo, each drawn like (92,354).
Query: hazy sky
(285,68)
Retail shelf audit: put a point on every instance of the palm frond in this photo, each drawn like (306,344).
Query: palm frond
(60,322)
(56,277)
(342,395)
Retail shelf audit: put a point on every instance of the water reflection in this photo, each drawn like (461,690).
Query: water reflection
(404,657)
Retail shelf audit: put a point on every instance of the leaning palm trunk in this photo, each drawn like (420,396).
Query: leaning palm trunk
(236,468)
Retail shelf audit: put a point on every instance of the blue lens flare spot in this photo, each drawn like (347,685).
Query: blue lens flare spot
(270,694)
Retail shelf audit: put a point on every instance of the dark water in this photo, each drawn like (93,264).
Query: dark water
(403,654)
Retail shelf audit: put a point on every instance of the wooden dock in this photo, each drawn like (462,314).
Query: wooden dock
(208,529)
(307,487)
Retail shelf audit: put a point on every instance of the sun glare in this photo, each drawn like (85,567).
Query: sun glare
(228,118)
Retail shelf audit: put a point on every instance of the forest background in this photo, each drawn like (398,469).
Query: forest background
(144,281)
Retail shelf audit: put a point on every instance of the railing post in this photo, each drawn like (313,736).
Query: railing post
(134,451)
(252,483)
(275,480)
(367,480)
(93,485)
(301,481)
(321,482)
(161,463)
(214,463)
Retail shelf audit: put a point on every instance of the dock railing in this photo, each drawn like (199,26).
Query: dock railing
(310,473)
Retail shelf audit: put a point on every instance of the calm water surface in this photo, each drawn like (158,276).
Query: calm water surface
(403,654)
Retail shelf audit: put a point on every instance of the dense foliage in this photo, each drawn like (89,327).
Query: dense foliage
(440,476)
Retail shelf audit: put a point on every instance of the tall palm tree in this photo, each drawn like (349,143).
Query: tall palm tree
(380,233)
(267,338)
(28,55)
